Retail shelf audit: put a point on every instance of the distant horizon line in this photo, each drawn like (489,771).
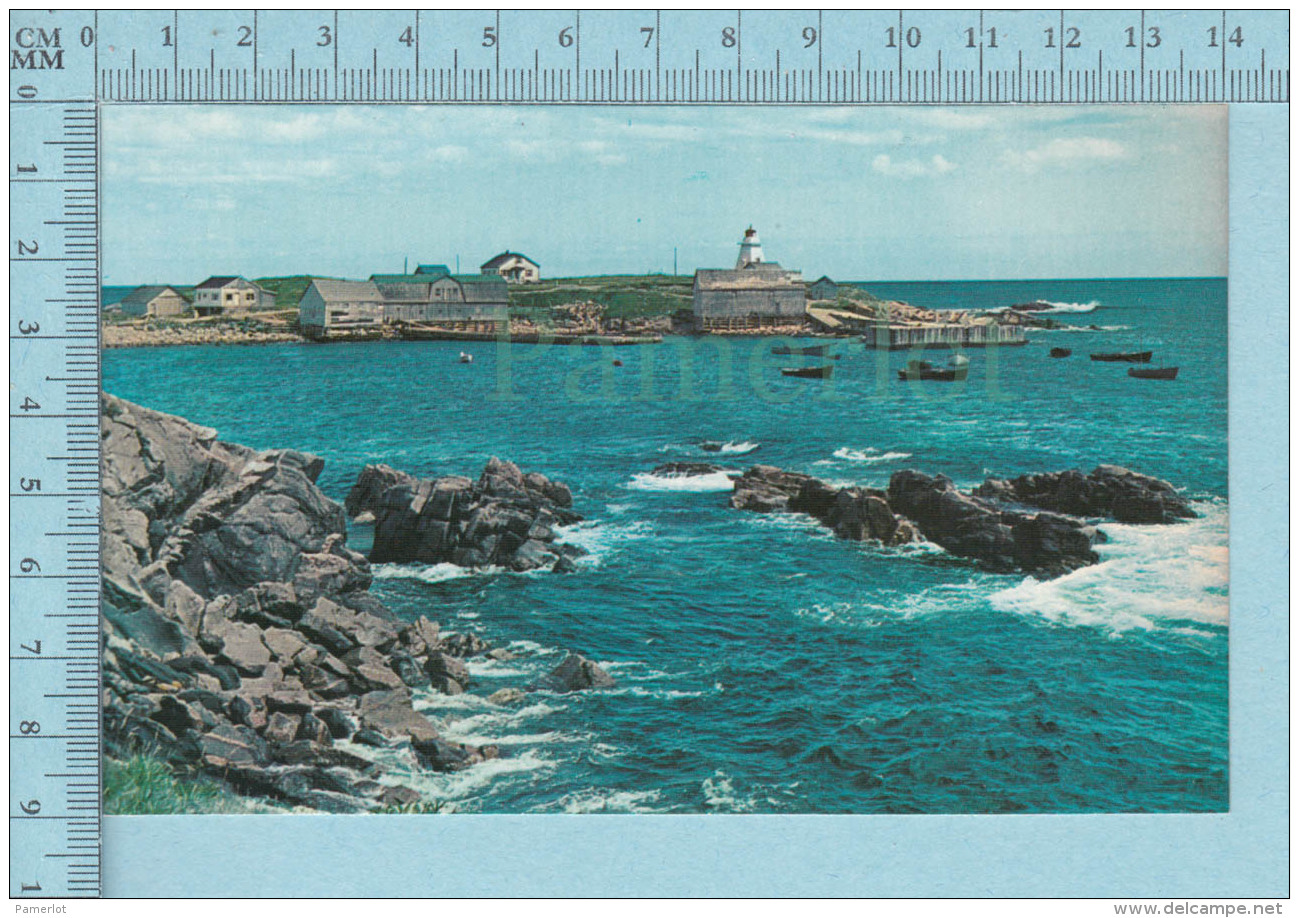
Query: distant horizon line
(957,280)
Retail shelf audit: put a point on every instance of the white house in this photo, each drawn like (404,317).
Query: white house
(514,267)
(220,295)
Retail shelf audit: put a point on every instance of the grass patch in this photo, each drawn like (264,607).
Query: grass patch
(622,296)
(141,786)
(288,290)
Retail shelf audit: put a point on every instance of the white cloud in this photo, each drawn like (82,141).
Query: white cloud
(912,168)
(1065,151)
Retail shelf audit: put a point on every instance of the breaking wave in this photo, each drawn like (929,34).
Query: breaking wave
(714,481)
(869,454)
(432,573)
(732,448)
(1150,577)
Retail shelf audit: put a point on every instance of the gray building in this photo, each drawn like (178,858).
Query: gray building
(823,289)
(440,297)
(153,301)
(755,293)
(226,294)
(339,305)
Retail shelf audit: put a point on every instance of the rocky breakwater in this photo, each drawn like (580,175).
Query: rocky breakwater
(241,640)
(505,519)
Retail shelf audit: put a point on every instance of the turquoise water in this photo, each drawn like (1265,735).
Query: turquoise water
(764,666)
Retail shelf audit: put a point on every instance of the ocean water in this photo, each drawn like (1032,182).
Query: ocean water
(762,665)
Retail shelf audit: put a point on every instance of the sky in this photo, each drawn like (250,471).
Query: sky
(857,193)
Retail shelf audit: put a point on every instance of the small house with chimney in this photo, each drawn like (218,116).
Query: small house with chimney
(514,267)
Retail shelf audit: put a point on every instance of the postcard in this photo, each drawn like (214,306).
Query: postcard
(661,470)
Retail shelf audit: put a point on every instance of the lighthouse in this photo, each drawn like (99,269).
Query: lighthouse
(750,250)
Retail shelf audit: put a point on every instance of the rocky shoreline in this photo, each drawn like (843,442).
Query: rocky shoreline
(241,641)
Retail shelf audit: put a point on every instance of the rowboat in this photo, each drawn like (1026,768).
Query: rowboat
(812,350)
(958,369)
(1153,372)
(1061,352)
(809,372)
(1128,357)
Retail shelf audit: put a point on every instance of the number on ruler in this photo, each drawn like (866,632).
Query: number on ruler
(29,727)
(992,38)
(489,36)
(407,38)
(31,887)
(166,36)
(911,36)
(326,37)
(22,168)
(28,248)
(648,32)
(31,807)
(566,37)
(728,37)
(28,404)
(1152,37)
(809,36)
(27,565)
(1237,37)
(25,329)
(30,484)
(36,650)
(1072,37)
(245,37)
(87,36)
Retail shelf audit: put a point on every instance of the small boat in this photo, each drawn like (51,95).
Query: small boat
(1153,372)
(1125,357)
(809,372)
(466,358)
(812,350)
(957,369)
(617,363)
(1061,352)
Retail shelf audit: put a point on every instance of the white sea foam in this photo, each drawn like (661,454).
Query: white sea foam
(1055,308)
(714,481)
(598,801)
(430,573)
(1149,577)
(720,794)
(601,539)
(869,454)
(738,449)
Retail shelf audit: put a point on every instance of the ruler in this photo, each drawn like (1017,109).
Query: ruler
(54,788)
(65,65)
(684,56)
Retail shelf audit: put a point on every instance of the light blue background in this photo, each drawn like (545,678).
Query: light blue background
(1243,853)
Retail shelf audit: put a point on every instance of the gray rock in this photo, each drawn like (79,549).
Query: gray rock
(229,745)
(577,674)
(1107,491)
(391,714)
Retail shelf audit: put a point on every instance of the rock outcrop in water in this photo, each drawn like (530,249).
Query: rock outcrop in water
(241,640)
(917,505)
(506,518)
(858,514)
(1109,490)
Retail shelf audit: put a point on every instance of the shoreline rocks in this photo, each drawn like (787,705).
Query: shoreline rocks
(917,506)
(240,637)
(1108,490)
(506,518)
